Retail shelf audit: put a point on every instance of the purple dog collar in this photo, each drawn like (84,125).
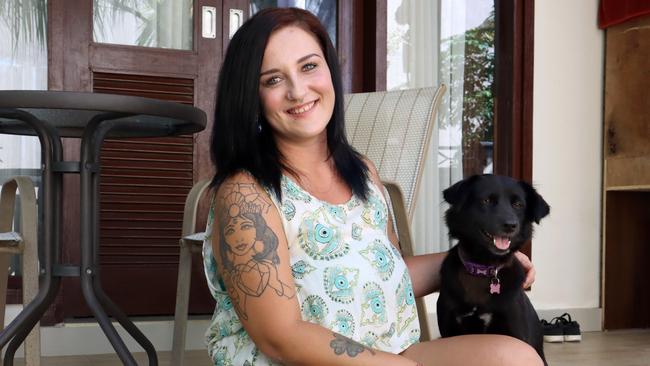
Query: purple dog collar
(476,269)
(482,270)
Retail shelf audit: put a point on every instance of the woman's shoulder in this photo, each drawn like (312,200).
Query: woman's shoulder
(373,173)
(241,182)
(239,177)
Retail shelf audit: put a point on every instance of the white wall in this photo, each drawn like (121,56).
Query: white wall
(567,152)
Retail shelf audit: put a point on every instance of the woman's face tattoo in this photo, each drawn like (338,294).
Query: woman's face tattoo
(240,229)
(240,234)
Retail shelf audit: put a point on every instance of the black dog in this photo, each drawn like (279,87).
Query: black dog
(481,290)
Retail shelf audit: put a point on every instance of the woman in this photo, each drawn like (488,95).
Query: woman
(334,289)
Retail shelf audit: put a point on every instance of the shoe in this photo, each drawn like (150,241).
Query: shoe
(571,328)
(553,331)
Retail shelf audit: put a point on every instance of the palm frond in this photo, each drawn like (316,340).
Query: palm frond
(109,11)
(27,19)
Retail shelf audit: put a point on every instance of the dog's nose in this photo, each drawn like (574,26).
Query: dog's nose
(510,226)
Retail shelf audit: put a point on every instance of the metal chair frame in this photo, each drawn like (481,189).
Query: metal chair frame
(22,242)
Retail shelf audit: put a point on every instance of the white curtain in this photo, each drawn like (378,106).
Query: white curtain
(174,26)
(415,29)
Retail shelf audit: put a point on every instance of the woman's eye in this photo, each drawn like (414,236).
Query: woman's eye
(309,66)
(272,81)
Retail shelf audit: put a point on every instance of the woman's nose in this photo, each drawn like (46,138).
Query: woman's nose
(297,90)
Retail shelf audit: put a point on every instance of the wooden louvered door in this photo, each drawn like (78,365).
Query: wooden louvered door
(143,181)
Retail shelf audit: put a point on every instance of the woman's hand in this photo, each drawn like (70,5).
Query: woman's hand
(528,267)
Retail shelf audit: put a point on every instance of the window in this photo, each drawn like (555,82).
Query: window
(476,48)
(163,24)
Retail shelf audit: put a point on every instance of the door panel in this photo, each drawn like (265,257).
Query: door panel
(144,181)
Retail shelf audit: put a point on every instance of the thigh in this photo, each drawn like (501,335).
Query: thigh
(485,350)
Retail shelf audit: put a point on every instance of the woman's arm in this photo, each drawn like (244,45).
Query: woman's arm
(423,269)
(268,308)
(425,272)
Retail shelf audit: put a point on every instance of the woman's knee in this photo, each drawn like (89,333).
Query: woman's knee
(513,351)
(487,350)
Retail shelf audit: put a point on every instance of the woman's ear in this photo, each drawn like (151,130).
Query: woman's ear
(536,206)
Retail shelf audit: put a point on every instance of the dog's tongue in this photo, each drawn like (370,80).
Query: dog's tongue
(501,242)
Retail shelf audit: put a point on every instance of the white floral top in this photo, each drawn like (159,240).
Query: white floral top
(348,276)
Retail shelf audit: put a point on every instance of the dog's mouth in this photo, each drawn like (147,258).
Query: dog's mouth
(501,242)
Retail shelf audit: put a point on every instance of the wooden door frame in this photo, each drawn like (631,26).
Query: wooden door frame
(361,44)
(513,152)
(73,57)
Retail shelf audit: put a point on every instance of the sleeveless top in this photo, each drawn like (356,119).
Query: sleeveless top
(349,278)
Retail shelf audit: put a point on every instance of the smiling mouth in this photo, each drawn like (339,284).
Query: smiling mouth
(241,247)
(302,108)
(501,242)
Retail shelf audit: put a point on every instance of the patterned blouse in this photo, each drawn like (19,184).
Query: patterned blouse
(349,278)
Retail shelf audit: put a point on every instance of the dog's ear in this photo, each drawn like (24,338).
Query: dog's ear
(536,207)
(456,194)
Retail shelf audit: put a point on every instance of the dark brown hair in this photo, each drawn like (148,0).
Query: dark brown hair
(237,142)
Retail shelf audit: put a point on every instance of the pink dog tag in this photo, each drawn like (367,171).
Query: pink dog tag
(495,286)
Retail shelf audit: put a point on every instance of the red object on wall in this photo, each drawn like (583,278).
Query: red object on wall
(612,12)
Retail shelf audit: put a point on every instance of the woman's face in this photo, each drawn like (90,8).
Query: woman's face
(296,88)
(240,234)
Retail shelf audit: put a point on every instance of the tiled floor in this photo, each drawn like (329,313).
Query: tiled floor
(617,348)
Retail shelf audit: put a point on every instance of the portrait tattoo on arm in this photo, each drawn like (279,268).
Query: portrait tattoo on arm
(341,345)
(248,247)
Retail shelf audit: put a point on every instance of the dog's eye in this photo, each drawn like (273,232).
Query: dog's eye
(486,201)
(518,204)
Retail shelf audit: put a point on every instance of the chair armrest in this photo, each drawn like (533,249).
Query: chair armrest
(401,217)
(11,242)
(194,242)
(191,206)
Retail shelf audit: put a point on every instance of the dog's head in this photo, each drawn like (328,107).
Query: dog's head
(492,215)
